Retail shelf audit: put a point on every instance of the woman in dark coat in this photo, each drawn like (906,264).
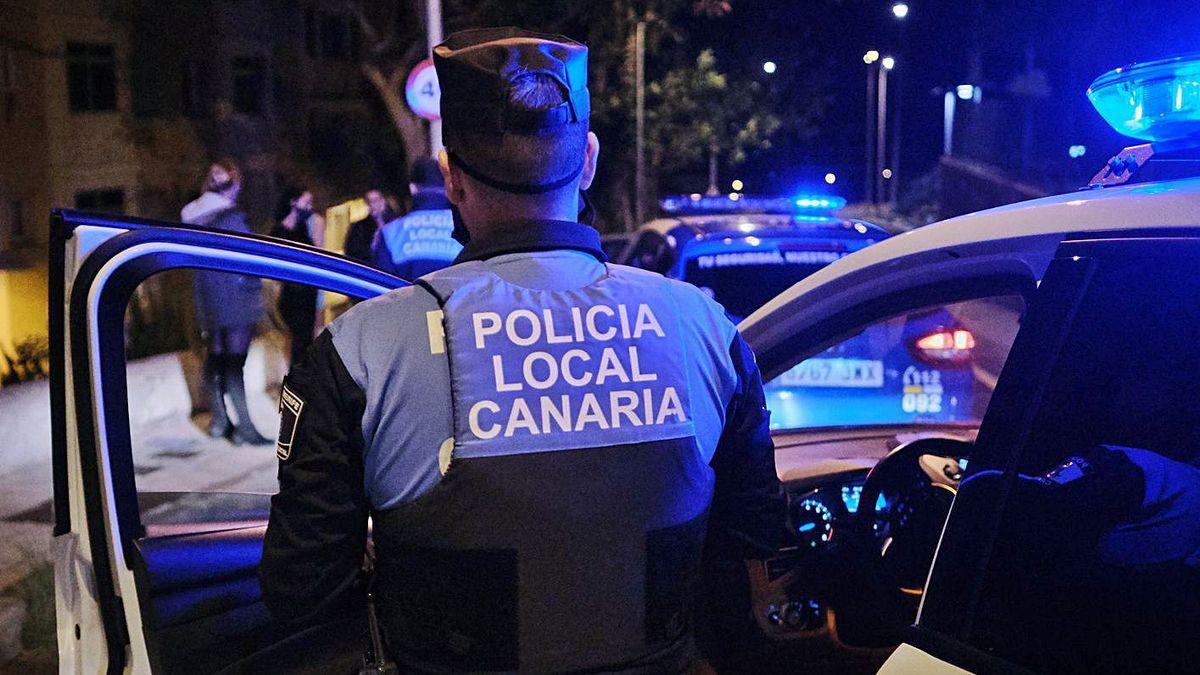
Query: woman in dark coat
(228,307)
(298,302)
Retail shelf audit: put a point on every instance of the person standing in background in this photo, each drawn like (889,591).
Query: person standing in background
(228,306)
(421,241)
(364,234)
(296,222)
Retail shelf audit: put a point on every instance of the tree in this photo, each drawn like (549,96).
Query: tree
(696,113)
(393,41)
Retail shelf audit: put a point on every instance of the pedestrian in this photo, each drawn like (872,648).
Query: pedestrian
(421,241)
(363,235)
(228,307)
(544,442)
(296,222)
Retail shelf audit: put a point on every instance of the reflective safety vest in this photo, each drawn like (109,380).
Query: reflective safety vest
(421,241)
(566,531)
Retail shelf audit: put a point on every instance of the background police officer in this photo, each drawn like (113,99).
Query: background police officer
(546,443)
(420,241)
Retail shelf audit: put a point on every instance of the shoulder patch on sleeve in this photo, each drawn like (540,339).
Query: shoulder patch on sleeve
(290,407)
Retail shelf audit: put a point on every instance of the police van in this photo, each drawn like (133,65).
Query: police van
(1081,311)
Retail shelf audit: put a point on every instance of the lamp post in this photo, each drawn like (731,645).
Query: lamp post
(639,177)
(886,65)
(871,58)
(897,108)
(433,34)
(962,92)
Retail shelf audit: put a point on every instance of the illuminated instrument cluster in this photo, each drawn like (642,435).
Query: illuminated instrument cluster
(815,516)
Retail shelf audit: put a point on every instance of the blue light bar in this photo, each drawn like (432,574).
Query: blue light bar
(1153,101)
(738,203)
(818,203)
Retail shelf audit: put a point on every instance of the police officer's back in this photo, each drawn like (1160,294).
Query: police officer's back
(420,241)
(545,441)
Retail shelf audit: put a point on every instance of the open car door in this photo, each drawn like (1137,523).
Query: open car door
(129,598)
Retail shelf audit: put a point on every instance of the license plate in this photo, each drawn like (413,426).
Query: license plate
(848,373)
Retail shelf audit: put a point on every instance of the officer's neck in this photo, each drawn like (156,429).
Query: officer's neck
(500,210)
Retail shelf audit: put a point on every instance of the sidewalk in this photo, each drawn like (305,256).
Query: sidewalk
(171,451)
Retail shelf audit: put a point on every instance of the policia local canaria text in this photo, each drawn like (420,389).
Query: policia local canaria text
(619,375)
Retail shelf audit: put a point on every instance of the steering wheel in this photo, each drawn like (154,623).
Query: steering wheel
(905,501)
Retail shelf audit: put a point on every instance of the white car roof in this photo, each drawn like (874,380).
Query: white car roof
(1025,234)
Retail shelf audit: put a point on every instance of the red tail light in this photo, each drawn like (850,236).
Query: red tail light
(945,347)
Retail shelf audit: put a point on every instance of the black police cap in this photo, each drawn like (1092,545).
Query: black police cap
(476,69)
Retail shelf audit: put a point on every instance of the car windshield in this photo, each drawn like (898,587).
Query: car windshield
(744,281)
(936,365)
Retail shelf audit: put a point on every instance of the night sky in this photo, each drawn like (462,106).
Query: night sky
(819,44)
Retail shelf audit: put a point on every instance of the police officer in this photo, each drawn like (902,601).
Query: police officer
(420,241)
(546,443)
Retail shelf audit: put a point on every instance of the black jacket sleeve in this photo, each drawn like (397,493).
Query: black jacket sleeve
(748,513)
(746,521)
(317,533)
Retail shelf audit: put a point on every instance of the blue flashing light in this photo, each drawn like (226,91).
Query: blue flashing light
(1152,101)
(807,526)
(739,203)
(818,203)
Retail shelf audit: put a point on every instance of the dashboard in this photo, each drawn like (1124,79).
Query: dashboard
(851,572)
(815,516)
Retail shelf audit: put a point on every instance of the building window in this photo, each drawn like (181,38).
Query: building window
(91,77)
(193,100)
(249,80)
(8,83)
(109,200)
(330,36)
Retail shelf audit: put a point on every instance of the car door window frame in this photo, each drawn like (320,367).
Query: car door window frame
(945,623)
(99,294)
(1005,425)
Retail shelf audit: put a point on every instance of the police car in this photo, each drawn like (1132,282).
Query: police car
(1081,307)
(745,250)
(1086,301)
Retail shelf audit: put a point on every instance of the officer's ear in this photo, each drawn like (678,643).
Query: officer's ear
(453,180)
(589,163)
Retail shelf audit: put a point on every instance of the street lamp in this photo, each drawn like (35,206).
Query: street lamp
(870,58)
(830,178)
(769,67)
(737,185)
(881,89)
(900,10)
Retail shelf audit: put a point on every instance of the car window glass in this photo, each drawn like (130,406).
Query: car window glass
(935,365)
(1096,562)
(189,332)
(650,251)
(746,280)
